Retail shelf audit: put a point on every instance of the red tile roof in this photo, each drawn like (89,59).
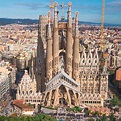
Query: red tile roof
(118,74)
(106,55)
(18,101)
(20,104)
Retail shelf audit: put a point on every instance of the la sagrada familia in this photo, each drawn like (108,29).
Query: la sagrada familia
(67,72)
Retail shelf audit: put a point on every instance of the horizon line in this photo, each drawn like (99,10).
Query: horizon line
(79,20)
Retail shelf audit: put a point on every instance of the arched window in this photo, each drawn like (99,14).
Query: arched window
(30,91)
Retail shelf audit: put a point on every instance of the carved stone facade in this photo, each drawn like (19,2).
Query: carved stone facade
(68,76)
(27,90)
(93,80)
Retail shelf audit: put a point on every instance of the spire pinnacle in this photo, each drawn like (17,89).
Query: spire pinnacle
(49,14)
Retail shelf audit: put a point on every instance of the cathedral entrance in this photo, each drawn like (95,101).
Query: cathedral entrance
(72,97)
(62,95)
(62,101)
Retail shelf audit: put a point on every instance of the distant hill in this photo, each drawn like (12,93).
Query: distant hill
(4,21)
(98,24)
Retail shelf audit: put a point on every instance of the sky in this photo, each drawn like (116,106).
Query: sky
(89,10)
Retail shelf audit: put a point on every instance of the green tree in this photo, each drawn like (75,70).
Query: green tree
(104,118)
(90,119)
(98,119)
(44,117)
(115,101)
(29,118)
(16,119)
(112,117)
(88,112)
(3,118)
(120,119)
(77,109)
(70,109)
(39,117)
(97,113)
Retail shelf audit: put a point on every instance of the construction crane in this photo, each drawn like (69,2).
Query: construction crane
(62,7)
(51,9)
(102,27)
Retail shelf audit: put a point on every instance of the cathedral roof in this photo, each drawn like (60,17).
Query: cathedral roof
(89,96)
(62,79)
(62,73)
(26,78)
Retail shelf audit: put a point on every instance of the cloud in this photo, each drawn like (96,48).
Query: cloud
(115,3)
(93,9)
(114,7)
(33,6)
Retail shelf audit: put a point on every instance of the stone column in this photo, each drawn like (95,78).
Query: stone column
(49,52)
(50,95)
(76,54)
(69,43)
(44,97)
(56,100)
(76,99)
(31,68)
(55,42)
(68,95)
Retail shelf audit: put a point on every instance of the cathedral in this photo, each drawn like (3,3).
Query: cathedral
(67,72)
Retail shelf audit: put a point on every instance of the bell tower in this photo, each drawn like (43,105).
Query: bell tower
(49,51)
(76,52)
(69,43)
(55,42)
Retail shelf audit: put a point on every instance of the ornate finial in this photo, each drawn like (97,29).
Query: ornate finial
(77,13)
(34,77)
(55,4)
(76,20)
(49,14)
(26,72)
(69,4)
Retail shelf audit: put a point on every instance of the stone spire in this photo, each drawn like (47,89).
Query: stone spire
(49,51)
(105,67)
(76,52)
(69,43)
(31,69)
(40,60)
(55,42)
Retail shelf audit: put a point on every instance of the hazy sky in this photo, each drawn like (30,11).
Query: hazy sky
(89,10)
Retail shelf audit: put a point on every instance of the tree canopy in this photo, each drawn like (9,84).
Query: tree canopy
(39,117)
(115,101)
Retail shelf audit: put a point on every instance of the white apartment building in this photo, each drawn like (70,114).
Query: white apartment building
(4,84)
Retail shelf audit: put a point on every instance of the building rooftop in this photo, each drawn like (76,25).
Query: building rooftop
(118,74)
(20,104)
(103,110)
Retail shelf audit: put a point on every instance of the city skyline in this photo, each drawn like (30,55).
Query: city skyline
(88,10)
(61,67)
